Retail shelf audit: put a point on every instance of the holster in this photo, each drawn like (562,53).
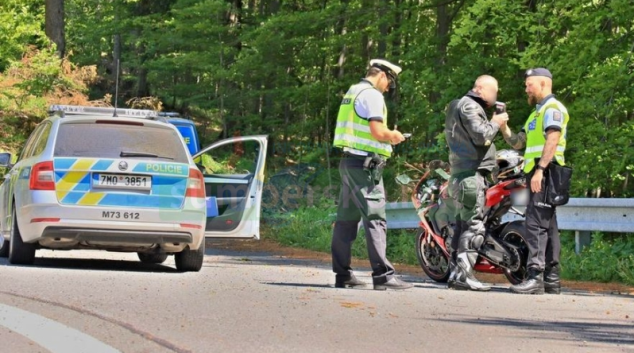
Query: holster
(374,165)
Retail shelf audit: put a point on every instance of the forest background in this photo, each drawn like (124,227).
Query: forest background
(280,68)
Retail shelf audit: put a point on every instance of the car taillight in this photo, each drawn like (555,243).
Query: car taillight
(38,220)
(193,226)
(42,177)
(195,184)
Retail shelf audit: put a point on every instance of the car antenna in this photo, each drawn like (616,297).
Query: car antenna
(116,91)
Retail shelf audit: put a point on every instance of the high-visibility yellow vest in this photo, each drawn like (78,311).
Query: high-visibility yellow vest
(536,138)
(353,131)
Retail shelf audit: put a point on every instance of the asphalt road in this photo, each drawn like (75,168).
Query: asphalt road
(261,302)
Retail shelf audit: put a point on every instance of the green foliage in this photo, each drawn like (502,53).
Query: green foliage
(606,259)
(279,68)
(20,25)
(37,79)
(311,228)
(306,227)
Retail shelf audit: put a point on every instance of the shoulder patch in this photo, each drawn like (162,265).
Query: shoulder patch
(556,115)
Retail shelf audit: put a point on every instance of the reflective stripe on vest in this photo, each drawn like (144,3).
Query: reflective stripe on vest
(353,131)
(536,138)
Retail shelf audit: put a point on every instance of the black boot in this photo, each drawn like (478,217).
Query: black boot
(552,284)
(534,284)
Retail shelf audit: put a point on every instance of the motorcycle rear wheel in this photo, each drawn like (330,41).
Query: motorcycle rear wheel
(431,258)
(515,234)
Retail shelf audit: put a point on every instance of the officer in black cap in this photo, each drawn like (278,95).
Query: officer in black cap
(544,139)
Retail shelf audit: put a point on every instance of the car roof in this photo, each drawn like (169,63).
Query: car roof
(92,119)
(88,114)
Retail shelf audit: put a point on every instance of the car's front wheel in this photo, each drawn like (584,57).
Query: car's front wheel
(190,260)
(20,253)
(152,258)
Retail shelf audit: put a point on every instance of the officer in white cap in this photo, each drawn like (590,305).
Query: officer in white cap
(366,141)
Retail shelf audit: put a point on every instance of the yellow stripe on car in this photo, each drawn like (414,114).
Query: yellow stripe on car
(75,174)
(91,198)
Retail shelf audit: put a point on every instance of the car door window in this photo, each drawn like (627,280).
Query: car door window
(30,143)
(42,139)
(237,159)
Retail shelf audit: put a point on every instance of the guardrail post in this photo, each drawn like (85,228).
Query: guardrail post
(582,239)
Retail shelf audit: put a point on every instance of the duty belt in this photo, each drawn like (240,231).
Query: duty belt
(374,164)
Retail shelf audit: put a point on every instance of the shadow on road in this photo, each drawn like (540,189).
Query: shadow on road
(304,285)
(94,265)
(591,330)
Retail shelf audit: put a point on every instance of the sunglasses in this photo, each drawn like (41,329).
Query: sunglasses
(391,82)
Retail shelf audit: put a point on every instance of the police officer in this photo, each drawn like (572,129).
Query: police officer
(544,136)
(366,141)
(469,135)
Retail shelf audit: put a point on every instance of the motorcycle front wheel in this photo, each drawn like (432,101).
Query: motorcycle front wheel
(515,234)
(431,257)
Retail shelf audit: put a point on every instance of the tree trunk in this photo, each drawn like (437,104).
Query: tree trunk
(366,41)
(383,30)
(142,86)
(116,65)
(398,20)
(521,43)
(54,24)
(342,30)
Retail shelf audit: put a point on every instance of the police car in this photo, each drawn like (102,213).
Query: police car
(88,180)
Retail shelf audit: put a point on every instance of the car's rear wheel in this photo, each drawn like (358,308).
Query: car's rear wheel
(190,260)
(152,258)
(20,253)
(4,250)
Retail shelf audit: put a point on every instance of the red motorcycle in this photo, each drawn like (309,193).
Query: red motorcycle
(504,249)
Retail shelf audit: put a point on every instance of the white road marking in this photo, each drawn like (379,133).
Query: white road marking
(52,335)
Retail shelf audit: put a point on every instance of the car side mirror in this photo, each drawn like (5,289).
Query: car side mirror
(5,159)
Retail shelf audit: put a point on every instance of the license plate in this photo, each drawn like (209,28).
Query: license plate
(136,182)
(120,215)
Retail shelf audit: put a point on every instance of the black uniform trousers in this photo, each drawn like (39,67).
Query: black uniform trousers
(360,198)
(542,232)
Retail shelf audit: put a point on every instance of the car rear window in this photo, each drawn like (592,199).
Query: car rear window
(109,140)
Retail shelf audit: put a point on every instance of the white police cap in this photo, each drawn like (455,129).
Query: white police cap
(386,66)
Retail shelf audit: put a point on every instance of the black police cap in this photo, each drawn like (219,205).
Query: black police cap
(540,71)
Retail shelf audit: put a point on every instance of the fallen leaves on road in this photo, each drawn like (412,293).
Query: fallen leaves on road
(351,305)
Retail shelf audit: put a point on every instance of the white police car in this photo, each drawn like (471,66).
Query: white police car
(87,180)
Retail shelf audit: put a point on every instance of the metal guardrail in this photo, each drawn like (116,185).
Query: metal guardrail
(583,215)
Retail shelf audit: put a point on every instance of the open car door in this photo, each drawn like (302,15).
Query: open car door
(234,178)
